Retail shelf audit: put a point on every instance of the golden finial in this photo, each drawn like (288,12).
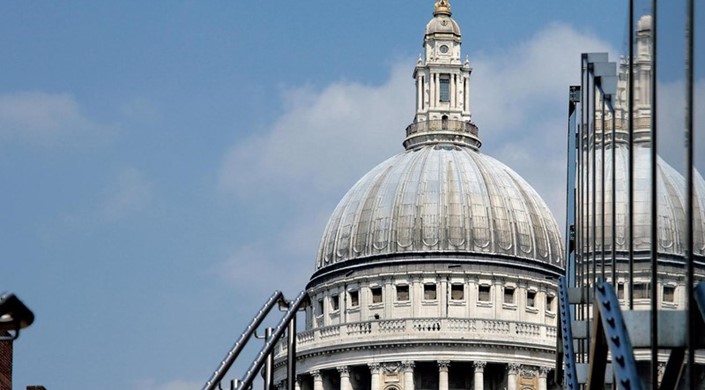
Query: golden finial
(442,7)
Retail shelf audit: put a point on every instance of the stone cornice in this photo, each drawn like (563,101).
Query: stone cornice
(442,345)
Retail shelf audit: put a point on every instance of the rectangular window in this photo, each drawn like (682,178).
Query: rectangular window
(320,307)
(335,302)
(429,291)
(641,291)
(484,294)
(531,298)
(457,292)
(402,293)
(549,302)
(620,291)
(509,295)
(376,294)
(669,294)
(354,299)
(444,88)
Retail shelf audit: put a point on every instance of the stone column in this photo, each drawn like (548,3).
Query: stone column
(344,378)
(512,371)
(442,296)
(415,296)
(418,106)
(388,298)
(479,375)
(297,383)
(408,368)
(443,374)
(432,90)
(543,373)
(374,380)
(317,380)
(365,299)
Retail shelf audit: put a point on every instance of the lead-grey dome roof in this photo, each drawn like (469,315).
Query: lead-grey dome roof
(671,203)
(441,199)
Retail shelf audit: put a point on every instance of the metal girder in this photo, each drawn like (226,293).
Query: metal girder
(610,333)
(570,377)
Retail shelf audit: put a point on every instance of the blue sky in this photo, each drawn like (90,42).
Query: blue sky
(166,165)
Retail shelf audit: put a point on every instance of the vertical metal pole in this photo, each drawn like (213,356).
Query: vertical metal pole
(581,193)
(690,141)
(593,144)
(590,196)
(269,365)
(630,108)
(654,199)
(571,204)
(602,188)
(291,355)
(614,195)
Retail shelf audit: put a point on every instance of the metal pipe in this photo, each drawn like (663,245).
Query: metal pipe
(602,188)
(630,109)
(614,198)
(690,141)
(279,330)
(593,189)
(654,199)
(269,365)
(291,355)
(242,341)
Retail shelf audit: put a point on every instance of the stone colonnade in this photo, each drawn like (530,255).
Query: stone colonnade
(514,370)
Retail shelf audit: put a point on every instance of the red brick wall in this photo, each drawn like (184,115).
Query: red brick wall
(5,365)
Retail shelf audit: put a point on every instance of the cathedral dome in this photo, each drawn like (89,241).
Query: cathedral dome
(441,199)
(671,205)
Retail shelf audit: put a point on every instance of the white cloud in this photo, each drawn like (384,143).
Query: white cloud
(520,104)
(47,119)
(130,192)
(325,140)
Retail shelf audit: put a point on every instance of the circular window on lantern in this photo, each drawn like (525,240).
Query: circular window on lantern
(444,49)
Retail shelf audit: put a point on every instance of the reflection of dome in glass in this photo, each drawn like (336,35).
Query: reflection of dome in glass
(671,204)
(441,199)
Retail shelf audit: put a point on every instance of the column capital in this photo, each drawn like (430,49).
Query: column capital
(479,366)
(513,368)
(316,374)
(543,371)
(443,365)
(391,367)
(408,366)
(527,371)
(344,371)
(374,368)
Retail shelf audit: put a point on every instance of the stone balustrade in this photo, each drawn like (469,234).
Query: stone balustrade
(425,329)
